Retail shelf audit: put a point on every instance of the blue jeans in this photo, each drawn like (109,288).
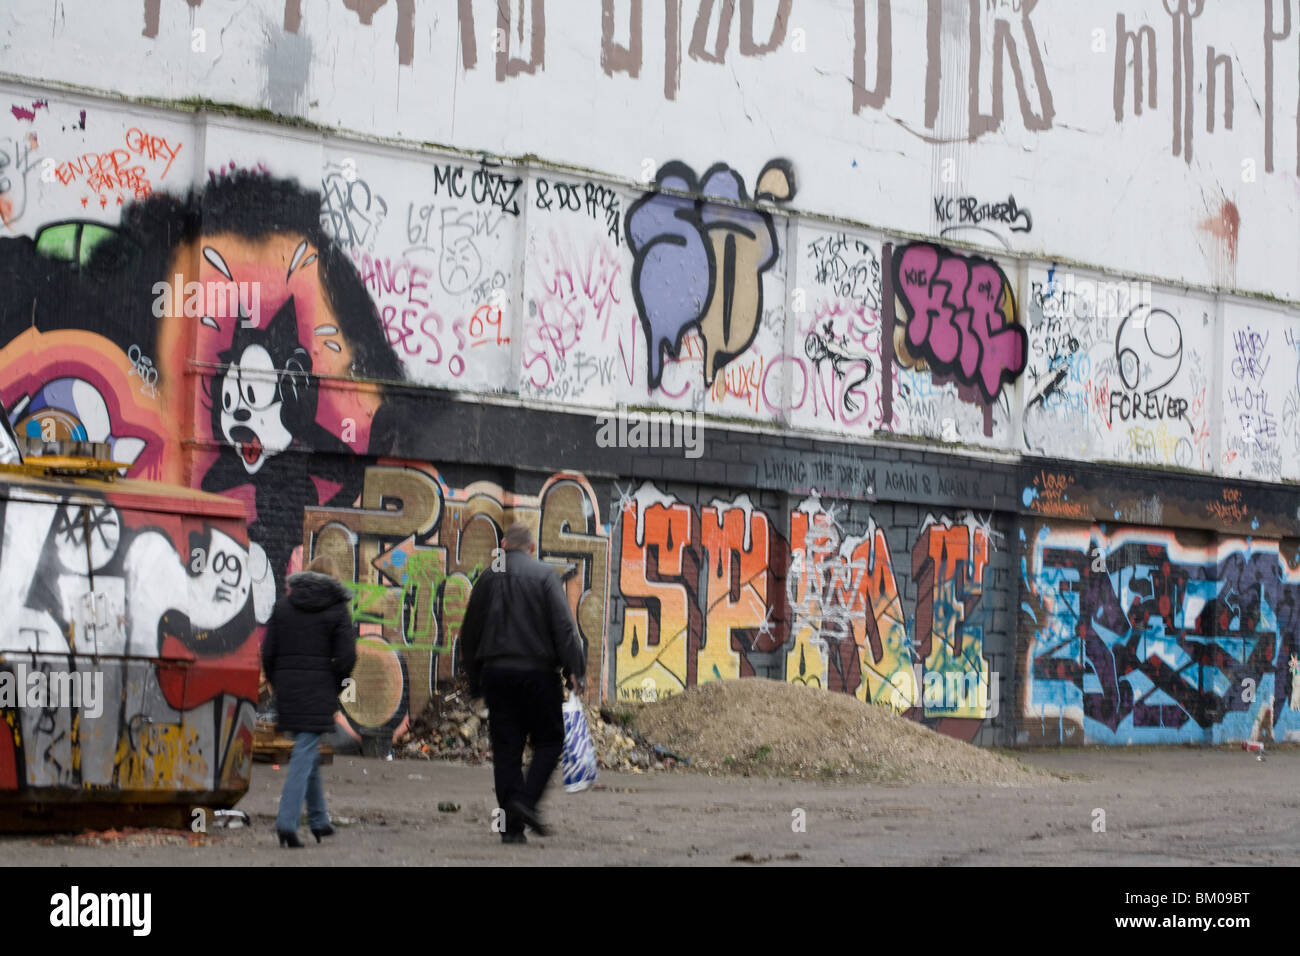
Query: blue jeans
(302,780)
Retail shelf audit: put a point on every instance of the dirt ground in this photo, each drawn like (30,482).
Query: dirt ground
(1162,806)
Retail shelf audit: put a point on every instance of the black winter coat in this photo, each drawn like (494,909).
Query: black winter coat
(310,648)
(519,618)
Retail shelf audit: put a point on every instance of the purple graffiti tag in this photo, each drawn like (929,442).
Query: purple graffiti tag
(961,316)
(670,276)
(701,263)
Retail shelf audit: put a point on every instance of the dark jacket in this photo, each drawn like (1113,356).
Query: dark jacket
(310,648)
(519,618)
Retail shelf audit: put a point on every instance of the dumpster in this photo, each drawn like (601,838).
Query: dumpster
(130,621)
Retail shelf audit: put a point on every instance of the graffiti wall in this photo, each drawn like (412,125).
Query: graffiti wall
(699,293)
(1119,371)
(1149,636)
(412,547)
(819,595)
(346,336)
(1261,394)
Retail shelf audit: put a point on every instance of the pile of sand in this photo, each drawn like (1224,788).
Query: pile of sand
(769,727)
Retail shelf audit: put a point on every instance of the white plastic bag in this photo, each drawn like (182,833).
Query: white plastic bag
(579,761)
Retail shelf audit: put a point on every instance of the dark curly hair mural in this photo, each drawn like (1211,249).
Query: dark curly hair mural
(238,283)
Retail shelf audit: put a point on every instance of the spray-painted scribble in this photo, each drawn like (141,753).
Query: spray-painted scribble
(1137,638)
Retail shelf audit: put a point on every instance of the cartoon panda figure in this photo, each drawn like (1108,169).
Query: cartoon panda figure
(264,414)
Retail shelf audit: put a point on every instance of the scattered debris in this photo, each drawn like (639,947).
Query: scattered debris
(230,819)
(451,729)
(447,730)
(130,837)
(668,756)
(447,806)
(619,746)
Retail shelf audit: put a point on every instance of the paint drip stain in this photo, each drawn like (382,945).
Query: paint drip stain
(1225,227)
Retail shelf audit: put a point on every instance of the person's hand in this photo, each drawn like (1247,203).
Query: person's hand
(577,684)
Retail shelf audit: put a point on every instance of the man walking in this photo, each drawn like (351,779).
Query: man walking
(516,634)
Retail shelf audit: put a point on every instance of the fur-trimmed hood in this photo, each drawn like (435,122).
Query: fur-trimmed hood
(309,648)
(310,591)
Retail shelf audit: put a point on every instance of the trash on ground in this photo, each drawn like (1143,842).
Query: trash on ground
(231,819)
(453,727)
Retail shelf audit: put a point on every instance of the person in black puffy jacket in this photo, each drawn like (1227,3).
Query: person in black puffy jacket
(309,650)
(517,633)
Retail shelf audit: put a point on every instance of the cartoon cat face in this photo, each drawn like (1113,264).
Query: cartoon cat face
(252,410)
(267,396)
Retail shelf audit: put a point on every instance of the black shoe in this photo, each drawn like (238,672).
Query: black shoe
(290,840)
(326,831)
(529,815)
(513,838)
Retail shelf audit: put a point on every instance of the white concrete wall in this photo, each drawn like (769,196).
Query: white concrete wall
(1148,190)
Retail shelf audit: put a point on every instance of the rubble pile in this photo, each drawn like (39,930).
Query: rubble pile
(619,746)
(450,728)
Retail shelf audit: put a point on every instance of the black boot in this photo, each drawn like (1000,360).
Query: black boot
(290,840)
